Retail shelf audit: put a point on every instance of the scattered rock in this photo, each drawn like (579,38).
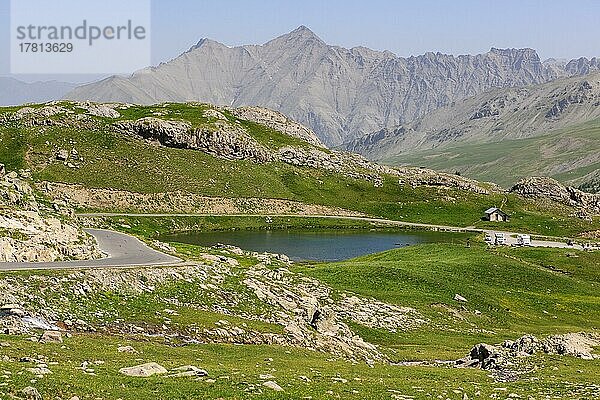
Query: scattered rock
(51,337)
(62,155)
(273,385)
(144,370)
(187,371)
(212,113)
(101,110)
(458,297)
(40,370)
(501,360)
(31,393)
(126,349)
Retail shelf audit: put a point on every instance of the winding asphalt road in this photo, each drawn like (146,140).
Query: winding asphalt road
(122,250)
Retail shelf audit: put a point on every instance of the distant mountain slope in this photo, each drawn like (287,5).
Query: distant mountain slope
(551,129)
(592,183)
(340,93)
(14,92)
(570,155)
(501,114)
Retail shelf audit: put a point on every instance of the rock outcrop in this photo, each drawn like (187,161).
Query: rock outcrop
(279,122)
(541,187)
(29,232)
(223,139)
(308,314)
(503,359)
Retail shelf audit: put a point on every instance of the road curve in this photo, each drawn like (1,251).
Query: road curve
(510,236)
(122,250)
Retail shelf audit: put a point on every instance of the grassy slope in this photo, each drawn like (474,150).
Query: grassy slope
(517,291)
(417,276)
(116,161)
(508,161)
(236,371)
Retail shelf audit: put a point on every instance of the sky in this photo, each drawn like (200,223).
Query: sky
(557,29)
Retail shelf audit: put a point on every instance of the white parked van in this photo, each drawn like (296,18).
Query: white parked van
(500,239)
(523,240)
(488,238)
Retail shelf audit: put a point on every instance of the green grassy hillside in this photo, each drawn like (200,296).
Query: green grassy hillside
(118,161)
(567,155)
(510,292)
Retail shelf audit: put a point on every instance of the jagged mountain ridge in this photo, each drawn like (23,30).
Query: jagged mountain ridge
(340,93)
(502,135)
(493,116)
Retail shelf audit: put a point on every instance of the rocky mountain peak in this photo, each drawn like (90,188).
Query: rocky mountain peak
(582,66)
(303,32)
(341,94)
(301,36)
(516,55)
(206,43)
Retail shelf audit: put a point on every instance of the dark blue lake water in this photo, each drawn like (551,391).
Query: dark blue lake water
(322,245)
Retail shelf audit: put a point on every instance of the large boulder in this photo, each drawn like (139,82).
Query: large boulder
(51,337)
(144,370)
(273,385)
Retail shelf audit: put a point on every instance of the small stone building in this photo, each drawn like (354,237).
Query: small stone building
(495,214)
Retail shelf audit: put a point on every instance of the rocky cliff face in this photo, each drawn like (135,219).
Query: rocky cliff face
(540,187)
(31,233)
(340,93)
(224,140)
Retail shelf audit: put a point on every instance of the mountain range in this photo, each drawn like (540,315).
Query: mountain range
(340,93)
(15,92)
(493,116)
(505,134)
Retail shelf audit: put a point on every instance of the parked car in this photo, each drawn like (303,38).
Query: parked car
(523,240)
(500,239)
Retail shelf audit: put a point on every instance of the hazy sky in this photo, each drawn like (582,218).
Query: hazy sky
(559,29)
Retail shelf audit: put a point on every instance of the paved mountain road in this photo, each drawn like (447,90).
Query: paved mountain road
(122,250)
